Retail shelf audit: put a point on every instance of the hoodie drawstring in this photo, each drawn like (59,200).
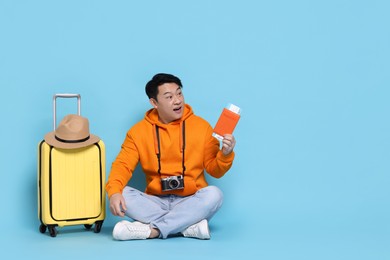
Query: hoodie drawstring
(157,148)
(155,138)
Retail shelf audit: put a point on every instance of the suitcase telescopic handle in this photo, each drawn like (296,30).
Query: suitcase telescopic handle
(64,96)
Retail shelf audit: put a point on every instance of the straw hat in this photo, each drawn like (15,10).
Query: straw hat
(71,133)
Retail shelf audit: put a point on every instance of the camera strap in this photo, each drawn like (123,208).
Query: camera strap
(183,129)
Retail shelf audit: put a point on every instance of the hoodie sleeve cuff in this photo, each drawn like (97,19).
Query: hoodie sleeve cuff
(112,191)
(226,158)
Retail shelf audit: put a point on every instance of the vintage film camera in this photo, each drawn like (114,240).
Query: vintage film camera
(172,183)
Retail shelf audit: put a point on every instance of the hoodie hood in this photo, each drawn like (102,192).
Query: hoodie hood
(151,116)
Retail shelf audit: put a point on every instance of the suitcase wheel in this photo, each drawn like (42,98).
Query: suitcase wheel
(98,226)
(88,226)
(52,231)
(42,228)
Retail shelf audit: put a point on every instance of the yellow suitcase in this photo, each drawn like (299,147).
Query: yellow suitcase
(71,186)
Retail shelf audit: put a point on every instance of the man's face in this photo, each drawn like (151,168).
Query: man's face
(169,103)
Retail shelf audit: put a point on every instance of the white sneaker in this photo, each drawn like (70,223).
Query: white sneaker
(199,230)
(126,230)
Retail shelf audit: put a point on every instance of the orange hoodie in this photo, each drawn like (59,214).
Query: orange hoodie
(201,152)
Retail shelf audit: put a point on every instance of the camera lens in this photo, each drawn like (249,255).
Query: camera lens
(173,184)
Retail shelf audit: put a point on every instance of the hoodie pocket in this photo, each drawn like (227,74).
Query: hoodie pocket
(189,186)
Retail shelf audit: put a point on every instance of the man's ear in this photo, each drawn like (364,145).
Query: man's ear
(153,102)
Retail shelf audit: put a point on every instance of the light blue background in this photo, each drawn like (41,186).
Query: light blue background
(311,176)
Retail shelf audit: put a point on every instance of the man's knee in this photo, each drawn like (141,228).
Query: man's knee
(213,195)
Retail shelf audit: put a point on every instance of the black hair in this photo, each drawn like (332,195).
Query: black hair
(151,88)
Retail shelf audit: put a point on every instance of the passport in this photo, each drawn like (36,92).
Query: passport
(227,121)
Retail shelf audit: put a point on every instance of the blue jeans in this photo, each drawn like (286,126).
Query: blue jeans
(172,214)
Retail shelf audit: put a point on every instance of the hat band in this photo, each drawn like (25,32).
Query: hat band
(72,141)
